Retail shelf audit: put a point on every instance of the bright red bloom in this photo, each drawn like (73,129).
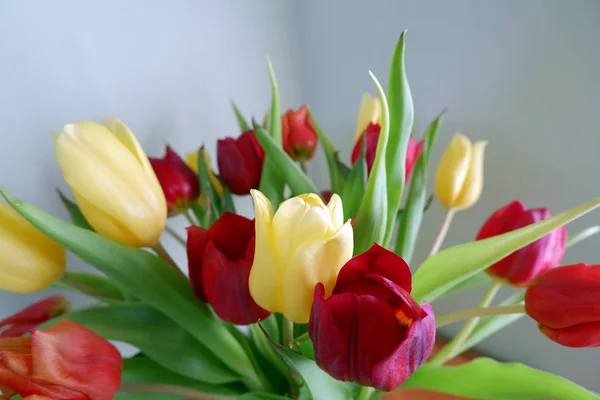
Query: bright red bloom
(298,135)
(179,182)
(565,301)
(522,266)
(370,330)
(219,262)
(413,151)
(63,362)
(240,162)
(30,317)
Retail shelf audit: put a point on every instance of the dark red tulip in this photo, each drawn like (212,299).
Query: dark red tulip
(565,301)
(326,195)
(298,135)
(30,317)
(413,150)
(240,162)
(178,181)
(219,262)
(63,362)
(522,266)
(370,330)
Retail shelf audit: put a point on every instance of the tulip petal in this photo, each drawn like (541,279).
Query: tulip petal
(197,238)
(502,220)
(231,234)
(336,211)
(473,183)
(312,263)
(369,112)
(452,170)
(584,335)
(212,266)
(233,167)
(33,315)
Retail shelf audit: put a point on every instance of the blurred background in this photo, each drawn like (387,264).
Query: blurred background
(522,75)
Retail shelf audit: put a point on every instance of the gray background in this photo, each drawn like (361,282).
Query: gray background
(522,75)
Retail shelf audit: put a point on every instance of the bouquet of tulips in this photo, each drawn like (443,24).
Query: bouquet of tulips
(311,299)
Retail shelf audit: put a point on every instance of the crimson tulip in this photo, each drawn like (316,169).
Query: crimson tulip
(63,362)
(298,135)
(565,301)
(371,136)
(30,317)
(522,266)
(219,262)
(370,330)
(240,162)
(178,181)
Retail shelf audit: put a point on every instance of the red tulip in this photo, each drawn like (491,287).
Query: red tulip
(522,266)
(219,261)
(63,362)
(178,181)
(30,317)
(240,162)
(565,301)
(326,195)
(298,135)
(370,330)
(413,151)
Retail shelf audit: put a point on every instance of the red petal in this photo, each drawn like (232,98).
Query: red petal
(197,238)
(253,154)
(372,134)
(413,152)
(501,221)
(231,234)
(300,139)
(584,335)
(232,167)
(212,266)
(25,320)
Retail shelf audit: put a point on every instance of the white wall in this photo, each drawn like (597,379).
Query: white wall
(522,75)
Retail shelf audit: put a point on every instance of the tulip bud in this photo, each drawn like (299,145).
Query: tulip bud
(565,301)
(219,262)
(191,159)
(369,112)
(522,266)
(112,180)
(371,133)
(30,317)
(29,260)
(179,182)
(298,135)
(459,175)
(240,162)
(303,243)
(63,362)
(370,330)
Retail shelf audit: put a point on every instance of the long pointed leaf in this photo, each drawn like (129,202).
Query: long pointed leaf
(244,126)
(74,211)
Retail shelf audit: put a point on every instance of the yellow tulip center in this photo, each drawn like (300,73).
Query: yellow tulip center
(311,199)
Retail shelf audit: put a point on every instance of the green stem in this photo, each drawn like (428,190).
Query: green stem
(581,236)
(365,393)
(303,167)
(287,332)
(189,217)
(455,344)
(71,282)
(478,312)
(302,338)
(442,233)
(172,389)
(175,235)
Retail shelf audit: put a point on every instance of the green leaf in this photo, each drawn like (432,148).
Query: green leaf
(475,281)
(287,170)
(201,214)
(263,346)
(144,370)
(271,182)
(484,378)
(209,195)
(408,230)
(401,122)
(451,266)
(74,211)
(146,277)
(261,396)
(356,183)
(372,214)
(275,113)
(240,118)
(157,336)
(147,396)
(336,175)
(228,201)
(487,326)
(91,284)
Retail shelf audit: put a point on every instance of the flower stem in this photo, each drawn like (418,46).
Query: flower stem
(478,312)
(442,233)
(287,331)
(175,235)
(303,167)
(581,236)
(365,393)
(189,217)
(455,344)
(302,338)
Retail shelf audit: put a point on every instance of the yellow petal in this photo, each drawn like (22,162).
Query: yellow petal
(266,273)
(191,159)
(452,170)
(473,184)
(369,111)
(30,260)
(315,262)
(336,211)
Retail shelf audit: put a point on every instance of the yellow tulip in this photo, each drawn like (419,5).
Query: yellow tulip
(191,159)
(112,181)
(459,175)
(30,260)
(368,112)
(303,243)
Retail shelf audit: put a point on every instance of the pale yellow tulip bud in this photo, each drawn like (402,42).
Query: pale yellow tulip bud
(303,243)
(191,159)
(29,259)
(368,112)
(112,181)
(459,175)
